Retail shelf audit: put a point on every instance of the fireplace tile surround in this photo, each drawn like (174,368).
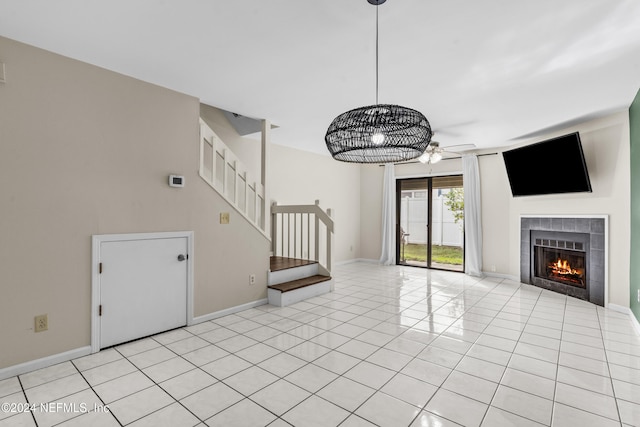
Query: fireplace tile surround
(594,228)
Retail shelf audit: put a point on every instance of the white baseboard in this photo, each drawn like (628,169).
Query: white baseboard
(54,359)
(354,260)
(375,261)
(619,308)
(228,311)
(367,260)
(626,310)
(501,276)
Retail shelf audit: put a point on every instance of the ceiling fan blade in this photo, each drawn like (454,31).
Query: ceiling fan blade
(450,154)
(459,146)
(445,132)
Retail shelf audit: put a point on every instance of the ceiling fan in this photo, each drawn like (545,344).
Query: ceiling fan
(434,153)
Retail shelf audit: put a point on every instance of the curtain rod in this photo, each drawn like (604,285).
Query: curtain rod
(448,158)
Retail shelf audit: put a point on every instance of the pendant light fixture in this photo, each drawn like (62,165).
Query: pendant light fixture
(380,133)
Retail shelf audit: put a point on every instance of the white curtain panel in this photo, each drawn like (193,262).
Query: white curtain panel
(472,216)
(388,256)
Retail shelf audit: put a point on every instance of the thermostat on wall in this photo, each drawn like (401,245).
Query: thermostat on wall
(176,181)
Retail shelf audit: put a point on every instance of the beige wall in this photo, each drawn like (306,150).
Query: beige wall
(85,151)
(371,178)
(299,178)
(606,147)
(497,255)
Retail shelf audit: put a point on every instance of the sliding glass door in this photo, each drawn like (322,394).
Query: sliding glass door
(430,222)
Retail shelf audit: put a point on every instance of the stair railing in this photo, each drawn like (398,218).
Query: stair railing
(303,232)
(222,170)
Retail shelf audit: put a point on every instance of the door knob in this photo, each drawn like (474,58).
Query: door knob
(181,257)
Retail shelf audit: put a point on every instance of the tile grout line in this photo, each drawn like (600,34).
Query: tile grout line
(115,348)
(555,386)
(217,379)
(606,359)
(589,390)
(463,356)
(361,360)
(96,393)
(511,356)
(24,393)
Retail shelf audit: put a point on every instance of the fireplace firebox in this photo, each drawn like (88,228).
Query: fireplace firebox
(560,265)
(559,262)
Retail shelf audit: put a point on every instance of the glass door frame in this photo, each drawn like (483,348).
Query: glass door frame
(429,248)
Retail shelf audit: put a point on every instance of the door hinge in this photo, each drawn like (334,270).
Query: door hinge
(100,268)
(100,310)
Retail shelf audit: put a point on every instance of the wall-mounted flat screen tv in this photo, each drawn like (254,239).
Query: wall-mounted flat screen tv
(553,166)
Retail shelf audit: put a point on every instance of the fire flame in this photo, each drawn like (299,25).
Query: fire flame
(563,267)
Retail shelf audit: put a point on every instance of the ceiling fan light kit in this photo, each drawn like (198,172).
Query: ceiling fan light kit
(433,154)
(380,133)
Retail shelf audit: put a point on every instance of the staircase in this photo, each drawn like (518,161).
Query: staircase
(301,235)
(301,265)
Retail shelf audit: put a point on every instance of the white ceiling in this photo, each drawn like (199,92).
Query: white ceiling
(484,72)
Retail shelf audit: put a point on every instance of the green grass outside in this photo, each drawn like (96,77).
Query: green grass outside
(439,254)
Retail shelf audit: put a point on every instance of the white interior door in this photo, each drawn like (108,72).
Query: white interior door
(143,288)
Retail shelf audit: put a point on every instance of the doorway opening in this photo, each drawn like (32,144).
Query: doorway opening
(430,222)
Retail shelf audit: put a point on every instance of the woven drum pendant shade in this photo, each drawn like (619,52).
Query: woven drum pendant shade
(379,133)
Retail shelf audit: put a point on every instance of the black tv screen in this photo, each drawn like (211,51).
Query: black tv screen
(553,166)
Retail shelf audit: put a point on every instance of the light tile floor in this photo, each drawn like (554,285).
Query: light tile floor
(392,346)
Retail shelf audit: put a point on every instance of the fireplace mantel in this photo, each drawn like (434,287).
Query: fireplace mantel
(594,226)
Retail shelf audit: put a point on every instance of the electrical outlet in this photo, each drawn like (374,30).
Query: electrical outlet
(42,323)
(493,268)
(224,218)
(252,279)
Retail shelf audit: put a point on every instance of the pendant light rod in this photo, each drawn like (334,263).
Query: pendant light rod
(377,55)
(376,3)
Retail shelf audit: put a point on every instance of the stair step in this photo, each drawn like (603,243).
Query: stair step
(300,283)
(278,263)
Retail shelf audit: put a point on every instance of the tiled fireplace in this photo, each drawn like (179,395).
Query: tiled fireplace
(565,255)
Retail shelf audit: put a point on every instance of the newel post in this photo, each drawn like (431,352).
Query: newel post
(329,241)
(316,255)
(264,164)
(274,229)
